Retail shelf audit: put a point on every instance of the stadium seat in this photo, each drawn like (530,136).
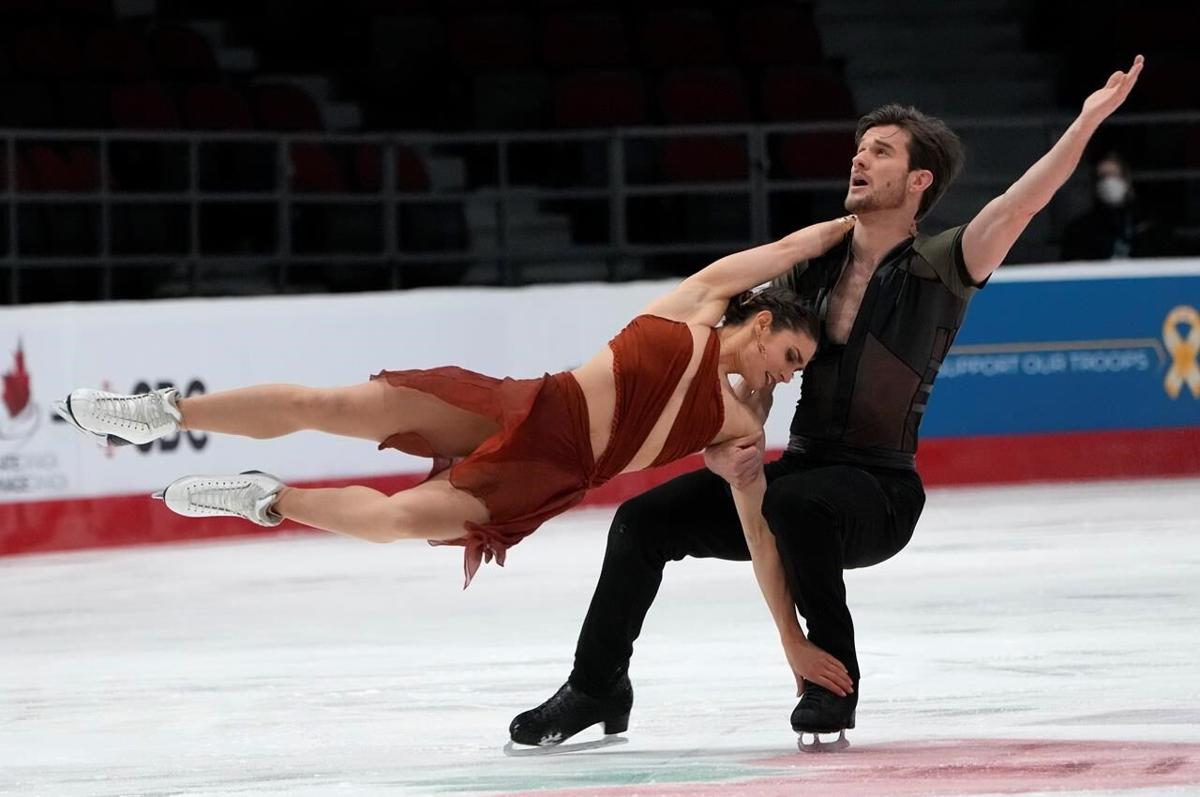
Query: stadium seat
(791,93)
(48,169)
(779,34)
(823,155)
(584,39)
(682,37)
(144,107)
(510,100)
(408,41)
(84,104)
(282,106)
(600,99)
(84,166)
(315,169)
(45,52)
(696,96)
(91,11)
(26,105)
(117,54)
(212,106)
(181,52)
(20,10)
(51,170)
(492,41)
(703,159)
(411,174)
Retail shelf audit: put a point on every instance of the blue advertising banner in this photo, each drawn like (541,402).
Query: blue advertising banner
(1075,348)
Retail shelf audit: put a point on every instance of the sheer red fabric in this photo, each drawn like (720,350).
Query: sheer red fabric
(540,463)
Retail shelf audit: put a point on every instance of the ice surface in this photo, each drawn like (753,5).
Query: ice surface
(1029,640)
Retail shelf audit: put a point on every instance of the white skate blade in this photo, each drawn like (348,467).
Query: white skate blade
(519,750)
(818,746)
(63,411)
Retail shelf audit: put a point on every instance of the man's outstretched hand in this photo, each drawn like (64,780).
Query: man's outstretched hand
(1101,104)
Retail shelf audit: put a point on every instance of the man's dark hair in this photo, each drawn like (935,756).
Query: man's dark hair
(934,146)
(787,311)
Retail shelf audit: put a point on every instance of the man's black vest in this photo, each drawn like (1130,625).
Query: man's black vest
(863,401)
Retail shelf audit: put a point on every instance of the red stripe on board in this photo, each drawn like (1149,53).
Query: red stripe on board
(1067,456)
(41,526)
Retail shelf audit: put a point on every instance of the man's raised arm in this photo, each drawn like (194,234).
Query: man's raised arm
(992,233)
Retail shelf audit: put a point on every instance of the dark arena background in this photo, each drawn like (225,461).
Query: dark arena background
(214,194)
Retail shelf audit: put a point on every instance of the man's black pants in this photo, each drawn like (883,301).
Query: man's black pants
(825,517)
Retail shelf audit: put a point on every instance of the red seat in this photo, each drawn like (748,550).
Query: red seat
(584,39)
(411,174)
(181,51)
(85,105)
(21,9)
(489,42)
(314,169)
(49,170)
(26,105)
(683,37)
(84,165)
(46,52)
(211,106)
(779,34)
(408,42)
(600,99)
(143,107)
(822,155)
(703,159)
(789,93)
(282,106)
(75,10)
(703,95)
(117,53)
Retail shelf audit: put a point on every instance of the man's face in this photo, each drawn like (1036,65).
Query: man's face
(879,170)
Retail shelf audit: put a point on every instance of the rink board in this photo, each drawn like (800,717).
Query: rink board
(1060,372)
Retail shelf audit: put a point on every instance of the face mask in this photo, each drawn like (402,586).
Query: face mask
(1112,190)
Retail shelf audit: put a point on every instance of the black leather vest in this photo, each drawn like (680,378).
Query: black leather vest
(862,402)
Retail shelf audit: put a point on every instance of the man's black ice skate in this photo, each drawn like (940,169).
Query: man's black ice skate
(822,712)
(567,713)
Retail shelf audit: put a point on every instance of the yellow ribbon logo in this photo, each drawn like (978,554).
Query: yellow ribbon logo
(1185,370)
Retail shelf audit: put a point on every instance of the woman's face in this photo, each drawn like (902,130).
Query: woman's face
(774,356)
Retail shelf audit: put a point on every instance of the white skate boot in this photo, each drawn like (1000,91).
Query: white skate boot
(121,420)
(248,495)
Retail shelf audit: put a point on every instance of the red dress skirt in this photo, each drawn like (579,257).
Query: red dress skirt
(538,465)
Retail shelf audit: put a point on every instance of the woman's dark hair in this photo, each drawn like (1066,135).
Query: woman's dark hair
(787,310)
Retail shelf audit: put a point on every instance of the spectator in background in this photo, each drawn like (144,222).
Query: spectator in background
(1118,226)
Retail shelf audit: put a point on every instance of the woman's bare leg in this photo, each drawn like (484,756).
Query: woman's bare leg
(372,411)
(435,510)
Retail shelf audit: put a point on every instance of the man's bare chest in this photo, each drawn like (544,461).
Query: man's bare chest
(844,303)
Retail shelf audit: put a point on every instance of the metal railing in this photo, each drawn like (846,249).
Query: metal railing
(761,185)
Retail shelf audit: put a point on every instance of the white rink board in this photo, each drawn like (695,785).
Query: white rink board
(320,341)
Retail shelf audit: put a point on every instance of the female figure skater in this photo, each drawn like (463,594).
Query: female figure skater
(508,454)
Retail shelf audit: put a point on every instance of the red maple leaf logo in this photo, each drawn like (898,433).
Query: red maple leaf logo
(16,385)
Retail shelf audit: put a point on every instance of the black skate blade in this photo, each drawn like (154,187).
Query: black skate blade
(818,746)
(521,750)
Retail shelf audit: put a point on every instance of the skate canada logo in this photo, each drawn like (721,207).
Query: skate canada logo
(20,418)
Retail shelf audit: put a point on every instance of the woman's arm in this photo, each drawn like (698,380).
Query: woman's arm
(703,297)
(806,660)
